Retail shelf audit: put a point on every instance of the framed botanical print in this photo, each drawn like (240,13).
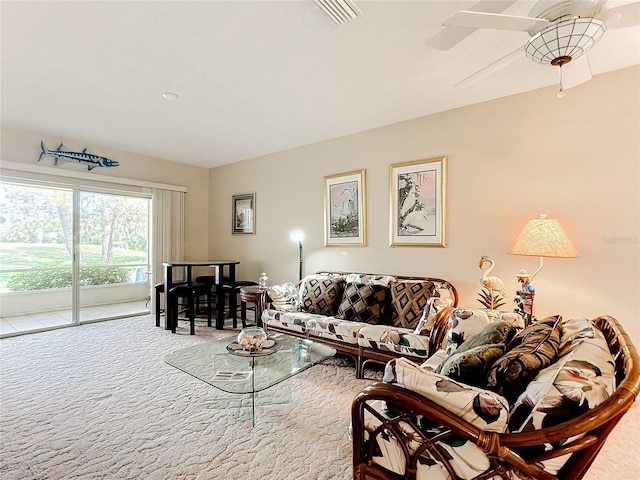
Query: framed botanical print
(243,214)
(418,201)
(345,222)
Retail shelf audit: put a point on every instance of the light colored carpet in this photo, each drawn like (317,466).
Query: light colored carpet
(98,401)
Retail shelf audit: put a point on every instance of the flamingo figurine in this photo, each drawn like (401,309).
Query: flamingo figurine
(493,284)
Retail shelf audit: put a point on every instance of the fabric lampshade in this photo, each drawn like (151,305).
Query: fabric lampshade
(544,237)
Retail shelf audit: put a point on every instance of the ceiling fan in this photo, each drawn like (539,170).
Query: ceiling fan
(560,32)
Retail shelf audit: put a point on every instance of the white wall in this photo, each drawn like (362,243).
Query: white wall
(24,147)
(576,159)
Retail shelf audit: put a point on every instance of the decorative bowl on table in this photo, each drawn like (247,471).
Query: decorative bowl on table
(252,338)
(253,341)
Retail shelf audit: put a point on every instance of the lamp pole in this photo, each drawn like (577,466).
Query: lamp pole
(301,256)
(298,236)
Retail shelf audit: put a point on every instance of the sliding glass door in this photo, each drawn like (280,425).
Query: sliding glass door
(113,255)
(70,255)
(36,252)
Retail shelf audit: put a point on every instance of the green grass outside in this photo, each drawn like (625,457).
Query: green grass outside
(41,255)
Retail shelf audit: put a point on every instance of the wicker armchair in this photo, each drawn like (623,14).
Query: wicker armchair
(507,452)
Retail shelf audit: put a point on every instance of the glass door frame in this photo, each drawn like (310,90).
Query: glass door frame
(75,266)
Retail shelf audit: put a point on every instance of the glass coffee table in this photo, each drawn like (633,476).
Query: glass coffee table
(247,374)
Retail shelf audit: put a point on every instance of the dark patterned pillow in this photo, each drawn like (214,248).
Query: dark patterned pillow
(321,295)
(408,300)
(531,350)
(471,366)
(495,332)
(363,303)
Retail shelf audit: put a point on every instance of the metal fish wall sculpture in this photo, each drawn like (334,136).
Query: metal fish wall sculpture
(83,158)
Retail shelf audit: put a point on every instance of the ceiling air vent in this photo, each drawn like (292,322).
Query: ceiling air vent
(339,11)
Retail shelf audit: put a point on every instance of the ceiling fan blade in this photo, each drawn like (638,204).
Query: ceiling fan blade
(621,17)
(496,21)
(491,68)
(448,38)
(576,72)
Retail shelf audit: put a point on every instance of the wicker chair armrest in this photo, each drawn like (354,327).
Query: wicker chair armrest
(412,405)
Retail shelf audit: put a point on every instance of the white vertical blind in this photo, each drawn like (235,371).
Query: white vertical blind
(167,224)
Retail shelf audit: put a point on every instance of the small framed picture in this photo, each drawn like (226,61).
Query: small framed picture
(244,214)
(418,201)
(345,222)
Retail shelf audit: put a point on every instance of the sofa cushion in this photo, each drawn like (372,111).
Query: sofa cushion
(485,409)
(464,323)
(531,350)
(363,303)
(294,321)
(345,331)
(393,339)
(408,301)
(321,295)
(580,380)
(471,365)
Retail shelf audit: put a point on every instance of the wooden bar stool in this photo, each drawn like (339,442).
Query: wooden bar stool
(191,292)
(159,288)
(228,290)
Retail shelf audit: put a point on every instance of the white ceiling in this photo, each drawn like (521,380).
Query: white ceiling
(253,77)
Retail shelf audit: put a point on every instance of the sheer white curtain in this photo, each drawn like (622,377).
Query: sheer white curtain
(167,232)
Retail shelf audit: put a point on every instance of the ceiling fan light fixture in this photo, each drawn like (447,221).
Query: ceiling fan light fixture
(570,38)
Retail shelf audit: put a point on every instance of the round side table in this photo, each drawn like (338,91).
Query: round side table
(251,294)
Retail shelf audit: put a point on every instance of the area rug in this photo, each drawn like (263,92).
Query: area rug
(98,402)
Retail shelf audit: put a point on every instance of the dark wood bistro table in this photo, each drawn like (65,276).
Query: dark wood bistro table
(220,266)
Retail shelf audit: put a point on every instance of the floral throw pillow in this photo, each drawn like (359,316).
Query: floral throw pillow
(485,409)
(284,297)
(581,379)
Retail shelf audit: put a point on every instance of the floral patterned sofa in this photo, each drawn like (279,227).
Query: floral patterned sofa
(502,401)
(371,317)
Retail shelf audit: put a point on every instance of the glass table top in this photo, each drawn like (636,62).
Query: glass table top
(213,364)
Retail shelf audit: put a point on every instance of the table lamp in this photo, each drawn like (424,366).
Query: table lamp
(541,237)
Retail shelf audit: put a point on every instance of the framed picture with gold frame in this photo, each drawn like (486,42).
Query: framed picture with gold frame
(418,201)
(345,220)
(243,214)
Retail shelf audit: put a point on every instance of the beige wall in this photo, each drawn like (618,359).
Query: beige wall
(24,147)
(576,159)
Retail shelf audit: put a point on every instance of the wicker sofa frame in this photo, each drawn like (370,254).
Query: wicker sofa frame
(593,427)
(363,355)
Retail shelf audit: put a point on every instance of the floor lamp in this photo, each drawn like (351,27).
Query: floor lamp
(541,237)
(298,237)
